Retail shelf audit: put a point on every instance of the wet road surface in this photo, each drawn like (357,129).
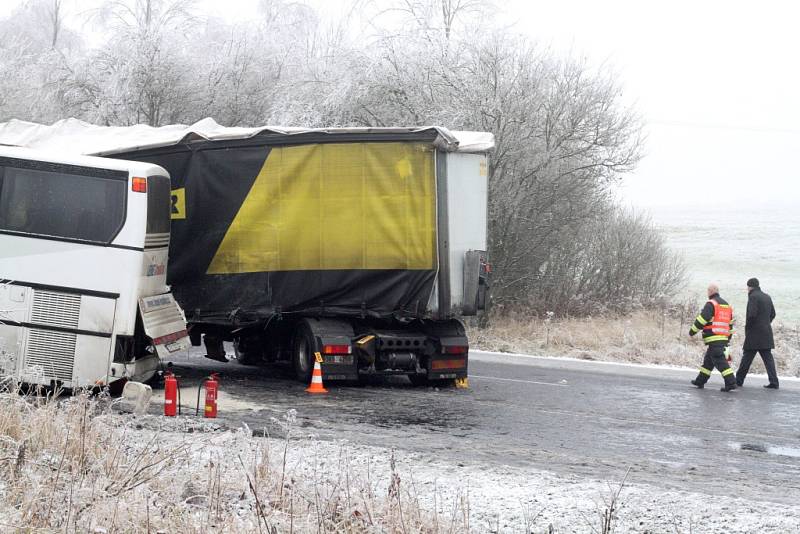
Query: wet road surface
(569,417)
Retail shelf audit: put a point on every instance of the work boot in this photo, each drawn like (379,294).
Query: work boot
(700,385)
(771,386)
(728,387)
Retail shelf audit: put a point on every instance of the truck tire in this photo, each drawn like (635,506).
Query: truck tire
(303,348)
(248,351)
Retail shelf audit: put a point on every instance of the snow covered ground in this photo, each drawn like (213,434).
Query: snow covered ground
(155,474)
(466,496)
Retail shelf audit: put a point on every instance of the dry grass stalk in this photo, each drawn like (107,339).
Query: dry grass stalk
(73,464)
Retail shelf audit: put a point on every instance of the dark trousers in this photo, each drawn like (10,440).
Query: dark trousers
(747,360)
(715,357)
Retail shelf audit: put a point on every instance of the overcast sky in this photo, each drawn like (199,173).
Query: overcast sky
(716,82)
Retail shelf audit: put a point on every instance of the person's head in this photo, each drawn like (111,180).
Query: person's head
(752,284)
(713,288)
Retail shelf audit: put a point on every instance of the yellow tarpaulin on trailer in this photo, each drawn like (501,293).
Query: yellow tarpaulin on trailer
(336,206)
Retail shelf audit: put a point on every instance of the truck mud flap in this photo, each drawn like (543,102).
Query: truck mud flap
(452,358)
(333,339)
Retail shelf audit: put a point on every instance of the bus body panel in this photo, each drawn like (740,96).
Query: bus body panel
(88,370)
(153,279)
(139,370)
(72,267)
(97,314)
(165,322)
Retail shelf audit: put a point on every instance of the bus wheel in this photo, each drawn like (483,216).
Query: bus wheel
(303,348)
(248,350)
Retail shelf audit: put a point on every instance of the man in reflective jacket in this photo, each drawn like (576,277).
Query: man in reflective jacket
(716,322)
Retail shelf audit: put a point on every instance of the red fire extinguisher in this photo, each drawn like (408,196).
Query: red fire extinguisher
(211,386)
(170,394)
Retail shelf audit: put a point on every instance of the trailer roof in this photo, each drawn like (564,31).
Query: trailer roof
(76,136)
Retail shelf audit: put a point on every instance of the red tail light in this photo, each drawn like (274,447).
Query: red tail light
(336,349)
(455,349)
(139,185)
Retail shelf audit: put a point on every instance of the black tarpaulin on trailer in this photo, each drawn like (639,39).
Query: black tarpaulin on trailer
(342,225)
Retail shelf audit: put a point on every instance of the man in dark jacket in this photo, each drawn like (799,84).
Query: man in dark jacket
(716,322)
(758,334)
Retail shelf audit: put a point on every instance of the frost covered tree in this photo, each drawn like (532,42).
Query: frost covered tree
(40,25)
(433,17)
(37,51)
(142,74)
(617,261)
(564,135)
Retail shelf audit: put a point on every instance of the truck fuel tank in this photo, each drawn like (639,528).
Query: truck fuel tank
(397,360)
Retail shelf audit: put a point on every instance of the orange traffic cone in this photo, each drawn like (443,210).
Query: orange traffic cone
(316,377)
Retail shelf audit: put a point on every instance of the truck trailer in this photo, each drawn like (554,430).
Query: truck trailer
(365,245)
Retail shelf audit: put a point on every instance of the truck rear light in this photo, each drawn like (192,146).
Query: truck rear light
(448,364)
(336,349)
(139,185)
(455,349)
(169,338)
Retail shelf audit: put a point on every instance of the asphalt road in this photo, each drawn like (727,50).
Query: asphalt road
(585,418)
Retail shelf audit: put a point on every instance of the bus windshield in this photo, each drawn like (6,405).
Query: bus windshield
(71,203)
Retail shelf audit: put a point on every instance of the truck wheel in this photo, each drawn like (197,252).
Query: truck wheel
(248,351)
(303,348)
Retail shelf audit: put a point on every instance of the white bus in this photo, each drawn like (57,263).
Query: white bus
(84,300)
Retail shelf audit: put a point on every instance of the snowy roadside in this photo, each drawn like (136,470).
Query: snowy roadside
(638,338)
(77,464)
(467,497)
(678,372)
(507,499)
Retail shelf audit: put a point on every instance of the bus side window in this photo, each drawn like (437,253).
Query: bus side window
(61,204)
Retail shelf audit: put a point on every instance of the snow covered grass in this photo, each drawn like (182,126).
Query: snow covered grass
(656,338)
(76,465)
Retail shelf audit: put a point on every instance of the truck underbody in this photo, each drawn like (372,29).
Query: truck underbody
(427,351)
